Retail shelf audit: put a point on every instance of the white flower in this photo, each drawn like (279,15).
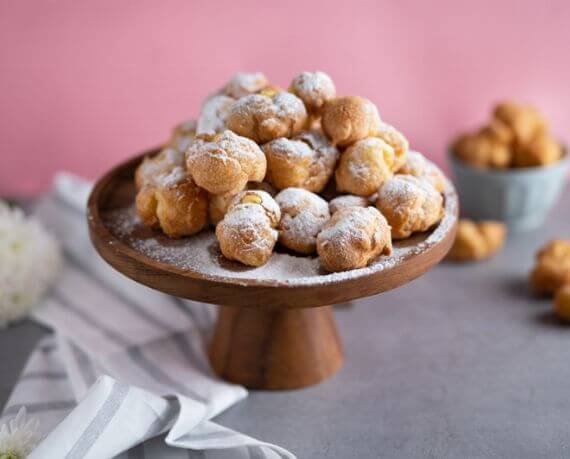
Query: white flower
(19,436)
(30,260)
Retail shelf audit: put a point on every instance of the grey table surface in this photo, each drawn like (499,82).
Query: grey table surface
(462,363)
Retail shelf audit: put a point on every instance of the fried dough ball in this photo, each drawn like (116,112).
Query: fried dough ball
(524,121)
(348,119)
(314,89)
(303,214)
(225,162)
(173,203)
(182,135)
(562,302)
(482,150)
(352,238)
(154,167)
(306,161)
(247,232)
(213,115)
(347,200)
(540,151)
(260,198)
(417,165)
(364,166)
(396,140)
(245,83)
(219,203)
(477,240)
(499,131)
(263,118)
(409,204)
(552,268)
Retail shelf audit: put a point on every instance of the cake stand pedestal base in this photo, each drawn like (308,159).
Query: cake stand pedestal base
(275,348)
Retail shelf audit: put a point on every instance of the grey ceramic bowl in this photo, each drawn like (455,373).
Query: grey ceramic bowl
(521,198)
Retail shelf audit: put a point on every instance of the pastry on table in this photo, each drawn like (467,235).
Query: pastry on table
(314,89)
(248,232)
(552,267)
(364,166)
(305,161)
(347,200)
(219,203)
(417,165)
(352,238)
(225,162)
(153,168)
(562,302)
(477,240)
(410,205)
(303,215)
(173,203)
(263,118)
(348,119)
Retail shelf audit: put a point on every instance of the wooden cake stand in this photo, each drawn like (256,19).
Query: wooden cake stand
(276,327)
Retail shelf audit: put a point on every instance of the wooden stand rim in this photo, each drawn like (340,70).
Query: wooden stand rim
(252,292)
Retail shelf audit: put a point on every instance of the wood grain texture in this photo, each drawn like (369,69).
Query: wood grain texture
(276,335)
(276,348)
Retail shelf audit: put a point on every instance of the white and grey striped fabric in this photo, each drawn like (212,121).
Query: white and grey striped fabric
(125,373)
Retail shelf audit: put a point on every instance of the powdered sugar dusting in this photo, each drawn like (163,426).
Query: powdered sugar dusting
(200,253)
(244,83)
(212,118)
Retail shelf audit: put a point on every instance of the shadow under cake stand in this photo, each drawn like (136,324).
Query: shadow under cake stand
(275,328)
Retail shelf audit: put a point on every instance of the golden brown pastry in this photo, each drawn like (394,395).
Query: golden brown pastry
(347,200)
(417,165)
(348,119)
(364,166)
(219,203)
(263,118)
(173,203)
(499,131)
(225,162)
(154,167)
(182,135)
(245,83)
(562,302)
(483,150)
(524,121)
(314,89)
(303,214)
(409,204)
(213,115)
(352,238)
(260,198)
(306,161)
(477,240)
(247,232)
(540,151)
(552,268)
(396,140)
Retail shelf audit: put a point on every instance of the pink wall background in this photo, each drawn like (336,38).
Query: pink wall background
(85,84)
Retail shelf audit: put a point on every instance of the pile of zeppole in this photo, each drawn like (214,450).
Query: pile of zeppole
(301,167)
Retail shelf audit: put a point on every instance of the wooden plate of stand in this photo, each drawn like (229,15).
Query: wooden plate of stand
(276,327)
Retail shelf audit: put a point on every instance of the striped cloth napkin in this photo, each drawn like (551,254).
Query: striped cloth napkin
(125,373)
